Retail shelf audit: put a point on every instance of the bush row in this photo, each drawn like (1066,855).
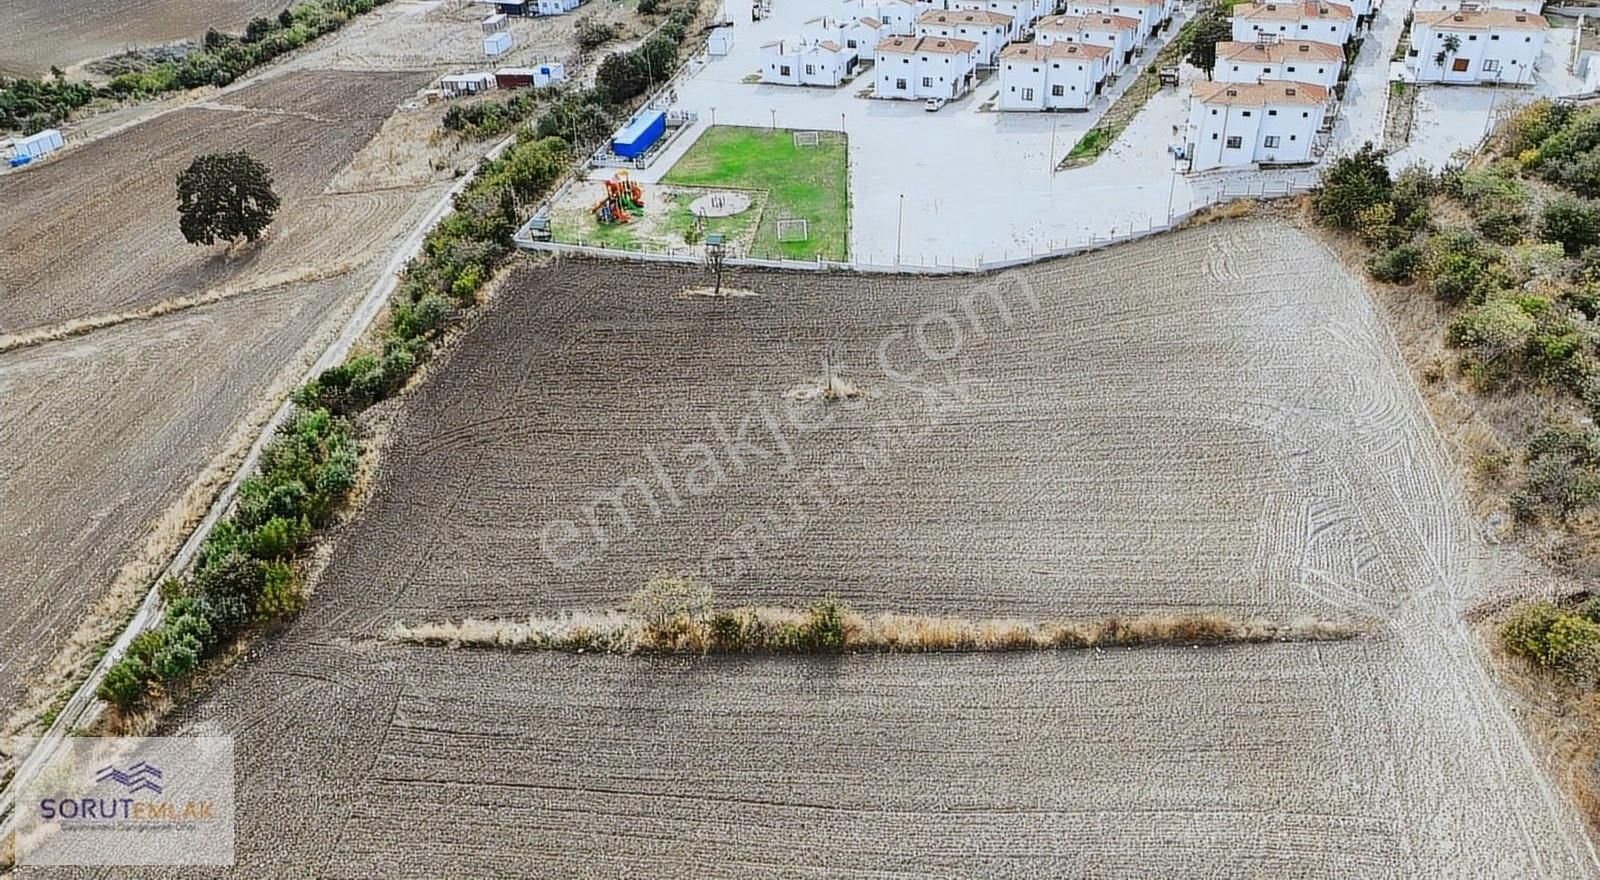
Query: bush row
(30,105)
(244,572)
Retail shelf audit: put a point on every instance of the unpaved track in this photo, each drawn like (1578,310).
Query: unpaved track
(96,231)
(1209,419)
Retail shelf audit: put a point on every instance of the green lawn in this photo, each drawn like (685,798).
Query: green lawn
(811,183)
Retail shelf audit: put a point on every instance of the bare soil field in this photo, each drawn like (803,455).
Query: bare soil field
(96,231)
(38,34)
(1209,420)
(103,436)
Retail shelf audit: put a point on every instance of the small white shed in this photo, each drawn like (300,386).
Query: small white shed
(497,43)
(35,145)
(720,42)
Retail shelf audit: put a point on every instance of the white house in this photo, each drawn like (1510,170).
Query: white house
(807,61)
(1055,76)
(1322,22)
(1475,46)
(1236,124)
(899,17)
(1295,61)
(1022,12)
(925,67)
(555,7)
(1360,9)
(1115,32)
(1529,6)
(990,30)
(1149,13)
(860,35)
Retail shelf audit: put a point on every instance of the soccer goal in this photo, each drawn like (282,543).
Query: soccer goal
(793,230)
(805,139)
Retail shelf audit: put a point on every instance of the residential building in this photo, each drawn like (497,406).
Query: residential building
(1322,22)
(1239,124)
(860,35)
(1117,33)
(1529,6)
(1295,61)
(990,30)
(1023,12)
(925,67)
(1149,13)
(899,17)
(1475,46)
(1053,76)
(807,61)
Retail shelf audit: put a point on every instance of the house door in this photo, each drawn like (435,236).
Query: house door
(1459,65)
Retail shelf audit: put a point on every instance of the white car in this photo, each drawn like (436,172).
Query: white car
(932,105)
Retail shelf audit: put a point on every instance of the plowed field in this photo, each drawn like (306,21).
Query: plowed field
(1211,419)
(96,231)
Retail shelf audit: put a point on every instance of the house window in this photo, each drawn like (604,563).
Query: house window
(1057,91)
(1235,142)
(1027,94)
(927,82)
(784,70)
(1272,113)
(1213,135)
(900,84)
(850,43)
(1271,142)
(1473,37)
(811,70)
(1494,36)
(1306,115)
(1245,113)
(1287,69)
(1491,64)
(1213,111)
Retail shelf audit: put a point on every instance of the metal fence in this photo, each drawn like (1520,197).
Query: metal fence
(1226,189)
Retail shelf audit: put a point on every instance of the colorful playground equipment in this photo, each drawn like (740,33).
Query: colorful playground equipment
(622,197)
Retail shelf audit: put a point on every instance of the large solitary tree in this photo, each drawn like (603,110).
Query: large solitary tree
(227,196)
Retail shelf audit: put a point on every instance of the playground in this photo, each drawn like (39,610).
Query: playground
(767,192)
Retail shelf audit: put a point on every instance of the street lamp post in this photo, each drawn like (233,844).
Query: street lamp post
(899,225)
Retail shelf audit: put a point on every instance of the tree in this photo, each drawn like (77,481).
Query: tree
(1452,45)
(1210,30)
(1351,185)
(227,196)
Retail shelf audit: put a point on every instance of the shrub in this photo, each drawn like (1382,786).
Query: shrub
(1496,330)
(1503,225)
(282,592)
(1375,225)
(1572,222)
(1353,184)
(1458,264)
(1563,472)
(823,631)
(667,604)
(1530,126)
(1527,633)
(228,592)
(125,683)
(1397,265)
(592,34)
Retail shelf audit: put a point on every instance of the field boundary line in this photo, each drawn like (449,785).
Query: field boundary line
(83,706)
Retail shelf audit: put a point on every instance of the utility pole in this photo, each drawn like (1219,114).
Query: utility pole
(899,224)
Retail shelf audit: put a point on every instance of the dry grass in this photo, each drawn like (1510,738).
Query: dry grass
(760,629)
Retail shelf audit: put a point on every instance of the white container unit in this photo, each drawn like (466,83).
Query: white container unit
(497,44)
(35,145)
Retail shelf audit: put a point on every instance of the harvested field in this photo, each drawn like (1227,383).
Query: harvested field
(39,34)
(96,231)
(104,434)
(1209,421)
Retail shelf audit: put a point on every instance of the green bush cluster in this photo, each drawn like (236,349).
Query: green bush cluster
(1563,472)
(30,105)
(487,119)
(244,572)
(736,630)
(593,34)
(1561,638)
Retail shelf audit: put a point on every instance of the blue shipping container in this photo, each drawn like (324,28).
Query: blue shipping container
(640,134)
